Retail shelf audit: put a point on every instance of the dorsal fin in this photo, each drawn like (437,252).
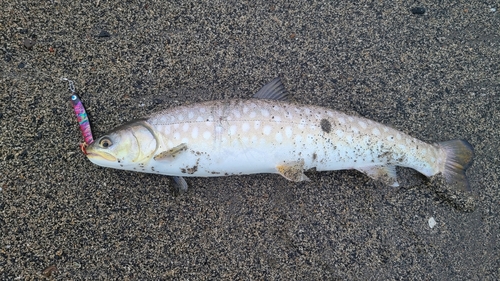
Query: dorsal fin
(273,90)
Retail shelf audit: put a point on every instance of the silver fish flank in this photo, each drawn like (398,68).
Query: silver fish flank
(267,134)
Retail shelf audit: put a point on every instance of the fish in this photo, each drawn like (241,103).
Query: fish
(270,134)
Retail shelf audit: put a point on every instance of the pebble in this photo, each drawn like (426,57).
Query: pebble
(432,222)
(103,33)
(28,43)
(418,10)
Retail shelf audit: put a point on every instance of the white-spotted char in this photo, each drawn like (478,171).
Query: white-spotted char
(267,134)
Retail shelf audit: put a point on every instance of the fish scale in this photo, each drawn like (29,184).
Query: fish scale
(259,135)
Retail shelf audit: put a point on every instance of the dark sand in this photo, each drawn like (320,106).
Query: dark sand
(435,76)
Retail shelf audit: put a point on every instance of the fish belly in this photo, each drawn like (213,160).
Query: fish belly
(237,137)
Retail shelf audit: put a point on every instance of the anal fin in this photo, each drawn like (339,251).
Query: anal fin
(171,153)
(385,174)
(293,171)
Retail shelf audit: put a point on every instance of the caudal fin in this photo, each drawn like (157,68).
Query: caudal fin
(459,154)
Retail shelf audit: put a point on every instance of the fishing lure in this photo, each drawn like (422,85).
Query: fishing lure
(81,116)
(83,120)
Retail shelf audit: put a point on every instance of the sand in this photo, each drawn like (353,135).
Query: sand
(433,75)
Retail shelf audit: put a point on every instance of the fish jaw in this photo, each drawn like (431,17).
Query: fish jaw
(97,157)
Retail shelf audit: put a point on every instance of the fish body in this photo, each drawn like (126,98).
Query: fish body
(259,135)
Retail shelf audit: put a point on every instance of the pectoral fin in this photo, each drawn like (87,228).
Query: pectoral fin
(293,171)
(385,174)
(180,184)
(171,153)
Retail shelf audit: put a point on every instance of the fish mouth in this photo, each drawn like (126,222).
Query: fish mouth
(100,156)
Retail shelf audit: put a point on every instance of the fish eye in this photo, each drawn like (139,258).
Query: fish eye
(105,142)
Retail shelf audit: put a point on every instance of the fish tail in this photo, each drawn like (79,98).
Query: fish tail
(459,154)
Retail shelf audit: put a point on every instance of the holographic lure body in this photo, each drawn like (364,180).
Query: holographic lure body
(83,120)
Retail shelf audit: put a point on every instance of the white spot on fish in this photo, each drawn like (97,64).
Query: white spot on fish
(350,119)
(390,137)
(185,127)
(310,139)
(176,126)
(256,124)
(386,130)
(278,137)
(177,135)
(236,113)
(245,127)
(339,133)
(288,132)
(264,112)
(218,129)
(267,130)
(355,130)
(194,133)
(341,120)
(253,114)
(180,117)
(362,124)
(166,129)
(202,110)
(376,131)
(190,115)
(185,140)
(199,119)
(232,130)
(398,136)
(298,139)
(302,124)
(245,109)
(277,118)
(206,135)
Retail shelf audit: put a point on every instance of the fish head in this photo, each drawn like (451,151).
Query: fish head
(125,147)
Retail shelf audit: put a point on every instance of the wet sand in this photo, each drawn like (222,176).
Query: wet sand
(433,75)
